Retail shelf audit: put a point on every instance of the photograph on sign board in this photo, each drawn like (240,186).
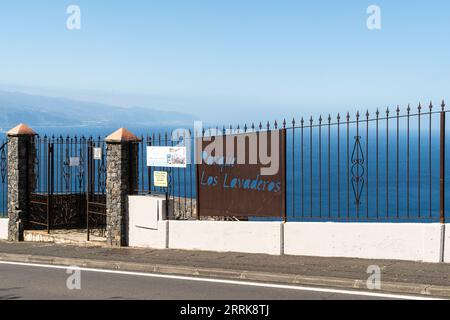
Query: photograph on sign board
(174,157)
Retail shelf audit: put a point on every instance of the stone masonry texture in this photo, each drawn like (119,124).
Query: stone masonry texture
(120,174)
(21,154)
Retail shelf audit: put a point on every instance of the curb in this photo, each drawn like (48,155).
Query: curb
(293,279)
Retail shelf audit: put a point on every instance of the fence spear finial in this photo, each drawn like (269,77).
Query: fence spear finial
(431,105)
(443,105)
(419,107)
(276,125)
(398,109)
(367,114)
(338,117)
(409,108)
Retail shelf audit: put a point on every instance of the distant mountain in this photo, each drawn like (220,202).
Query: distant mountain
(41,111)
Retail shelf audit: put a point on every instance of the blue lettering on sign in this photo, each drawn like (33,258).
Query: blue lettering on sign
(256,183)
(210,181)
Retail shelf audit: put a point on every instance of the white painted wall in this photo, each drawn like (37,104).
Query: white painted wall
(400,241)
(446,248)
(4,228)
(229,236)
(140,237)
(147,228)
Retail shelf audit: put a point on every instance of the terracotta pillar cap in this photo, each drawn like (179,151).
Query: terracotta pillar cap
(21,130)
(122,135)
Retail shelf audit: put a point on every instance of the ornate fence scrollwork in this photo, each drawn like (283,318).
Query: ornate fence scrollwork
(357,170)
(58,199)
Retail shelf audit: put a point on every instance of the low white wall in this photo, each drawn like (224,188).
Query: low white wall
(400,241)
(4,228)
(149,238)
(147,228)
(446,248)
(229,236)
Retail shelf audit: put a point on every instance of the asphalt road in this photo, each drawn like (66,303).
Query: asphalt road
(33,282)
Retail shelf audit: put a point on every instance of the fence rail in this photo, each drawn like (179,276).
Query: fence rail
(68,190)
(4,178)
(385,166)
(181,192)
(381,168)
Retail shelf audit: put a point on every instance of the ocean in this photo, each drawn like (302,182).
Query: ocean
(325,189)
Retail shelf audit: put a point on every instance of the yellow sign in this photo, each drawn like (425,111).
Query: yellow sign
(160,179)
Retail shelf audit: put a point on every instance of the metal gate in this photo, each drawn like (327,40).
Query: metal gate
(96,189)
(67,182)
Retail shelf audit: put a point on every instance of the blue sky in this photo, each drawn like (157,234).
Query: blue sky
(229,60)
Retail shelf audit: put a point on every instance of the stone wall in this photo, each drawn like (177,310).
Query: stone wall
(116,191)
(119,184)
(21,157)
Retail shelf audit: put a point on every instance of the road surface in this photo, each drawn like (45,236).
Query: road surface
(28,281)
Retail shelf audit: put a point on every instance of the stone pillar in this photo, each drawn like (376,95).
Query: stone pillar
(121,158)
(21,153)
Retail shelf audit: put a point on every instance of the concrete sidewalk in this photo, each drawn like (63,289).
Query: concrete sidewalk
(396,276)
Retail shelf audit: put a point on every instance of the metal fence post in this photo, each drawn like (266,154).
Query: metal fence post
(442,168)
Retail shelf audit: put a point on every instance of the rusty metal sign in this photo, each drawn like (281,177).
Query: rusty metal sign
(242,175)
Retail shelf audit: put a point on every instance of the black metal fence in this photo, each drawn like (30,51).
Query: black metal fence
(3,178)
(69,187)
(181,191)
(386,166)
(382,166)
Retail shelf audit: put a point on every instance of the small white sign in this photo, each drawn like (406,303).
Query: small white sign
(173,157)
(74,161)
(160,179)
(97,153)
